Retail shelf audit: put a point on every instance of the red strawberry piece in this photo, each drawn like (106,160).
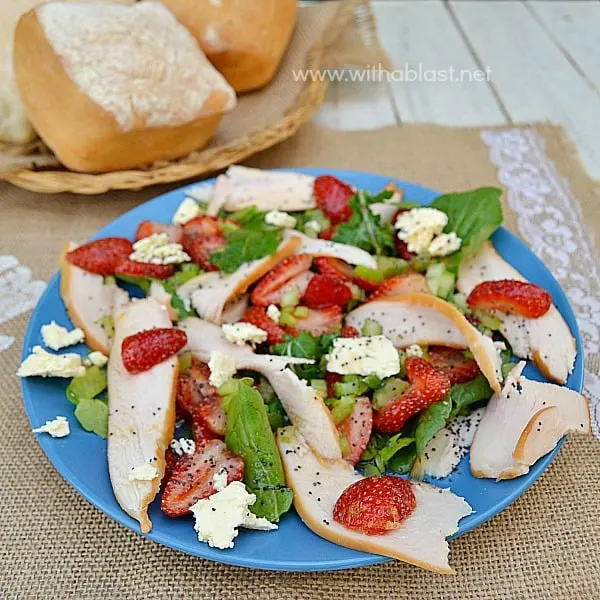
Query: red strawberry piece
(201,226)
(192,478)
(324,291)
(427,385)
(257,315)
(357,428)
(375,505)
(142,351)
(200,248)
(453,363)
(349,332)
(201,401)
(401,245)
(320,320)
(201,432)
(511,296)
(147,228)
(327,234)
(101,256)
(335,267)
(279,275)
(300,282)
(331,379)
(333,197)
(171,459)
(132,268)
(401,284)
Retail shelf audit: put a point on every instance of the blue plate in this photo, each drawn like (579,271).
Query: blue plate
(81,457)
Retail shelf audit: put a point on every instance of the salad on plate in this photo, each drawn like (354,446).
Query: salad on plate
(290,340)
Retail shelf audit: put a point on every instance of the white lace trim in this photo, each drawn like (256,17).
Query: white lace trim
(550,219)
(18,293)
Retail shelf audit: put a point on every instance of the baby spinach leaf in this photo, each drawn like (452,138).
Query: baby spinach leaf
(92,414)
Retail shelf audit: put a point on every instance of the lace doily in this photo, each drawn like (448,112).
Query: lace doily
(550,219)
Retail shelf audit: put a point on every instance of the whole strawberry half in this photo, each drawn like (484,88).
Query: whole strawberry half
(511,296)
(101,257)
(147,228)
(192,477)
(357,428)
(333,198)
(200,400)
(375,505)
(453,363)
(324,291)
(142,351)
(427,385)
(132,268)
(257,315)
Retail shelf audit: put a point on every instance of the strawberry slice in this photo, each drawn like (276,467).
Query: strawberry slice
(257,315)
(427,385)
(331,379)
(142,351)
(171,459)
(148,228)
(300,282)
(453,363)
(320,320)
(201,432)
(192,478)
(201,226)
(348,331)
(375,505)
(401,284)
(333,197)
(511,296)
(324,291)
(357,428)
(201,401)
(101,256)
(327,234)
(132,268)
(401,245)
(200,248)
(287,269)
(334,267)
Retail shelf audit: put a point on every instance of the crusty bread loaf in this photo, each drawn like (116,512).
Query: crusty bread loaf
(14,124)
(244,39)
(110,87)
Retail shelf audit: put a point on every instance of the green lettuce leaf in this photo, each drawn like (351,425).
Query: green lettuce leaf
(380,451)
(430,421)
(463,395)
(245,245)
(92,414)
(88,386)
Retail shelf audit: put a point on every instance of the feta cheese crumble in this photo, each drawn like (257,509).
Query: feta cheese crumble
(219,517)
(273,313)
(201,193)
(183,446)
(414,350)
(279,218)
(444,244)
(240,333)
(57,428)
(222,368)
(313,227)
(144,472)
(96,358)
(375,355)
(56,337)
(186,211)
(41,363)
(418,226)
(157,249)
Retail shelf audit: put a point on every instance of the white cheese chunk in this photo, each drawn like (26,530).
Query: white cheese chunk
(186,211)
(240,333)
(144,472)
(375,355)
(418,226)
(201,193)
(157,249)
(273,313)
(56,337)
(313,227)
(279,218)
(222,368)
(183,446)
(41,363)
(96,358)
(414,350)
(444,244)
(219,517)
(57,428)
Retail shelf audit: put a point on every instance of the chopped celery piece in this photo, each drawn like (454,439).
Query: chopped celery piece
(488,321)
(350,388)
(108,324)
(446,285)
(287,317)
(301,312)
(506,368)
(320,385)
(371,327)
(392,388)
(421,262)
(460,301)
(185,361)
(390,266)
(344,446)
(290,298)
(109,280)
(368,274)
(372,381)
(342,408)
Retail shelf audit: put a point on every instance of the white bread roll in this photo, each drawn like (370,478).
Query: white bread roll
(244,39)
(14,124)
(111,87)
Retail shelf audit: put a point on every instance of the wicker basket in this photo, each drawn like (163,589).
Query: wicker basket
(327,19)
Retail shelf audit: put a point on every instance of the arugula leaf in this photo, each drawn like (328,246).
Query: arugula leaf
(380,450)
(249,435)
(473,216)
(89,385)
(364,229)
(430,421)
(465,394)
(245,245)
(93,415)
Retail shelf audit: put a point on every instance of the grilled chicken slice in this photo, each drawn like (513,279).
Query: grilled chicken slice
(303,405)
(89,300)
(423,319)
(523,423)
(317,484)
(141,413)
(546,340)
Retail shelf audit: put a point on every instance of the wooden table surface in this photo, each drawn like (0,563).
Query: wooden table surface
(543,59)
